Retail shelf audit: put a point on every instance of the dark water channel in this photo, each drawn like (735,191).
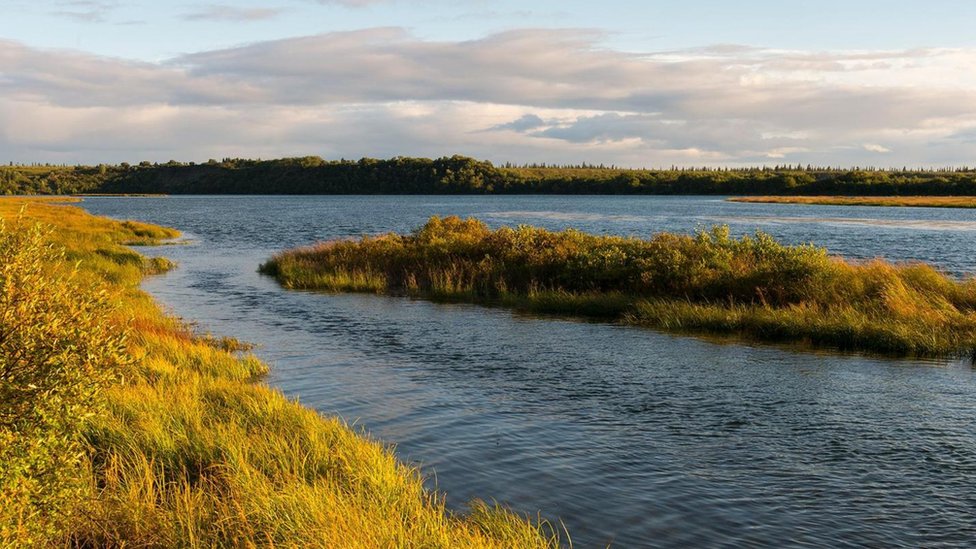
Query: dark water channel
(627,435)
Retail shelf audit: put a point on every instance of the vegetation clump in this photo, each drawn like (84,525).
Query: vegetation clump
(56,355)
(120,426)
(709,282)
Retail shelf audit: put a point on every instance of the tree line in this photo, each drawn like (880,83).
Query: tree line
(463,175)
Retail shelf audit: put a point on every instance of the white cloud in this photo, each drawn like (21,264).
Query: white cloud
(528,95)
(353,3)
(223,12)
(85,11)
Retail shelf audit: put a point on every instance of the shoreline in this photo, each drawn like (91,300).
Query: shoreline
(967,202)
(190,447)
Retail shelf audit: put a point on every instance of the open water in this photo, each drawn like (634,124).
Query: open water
(626,435)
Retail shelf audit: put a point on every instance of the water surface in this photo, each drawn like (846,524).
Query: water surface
(626,435)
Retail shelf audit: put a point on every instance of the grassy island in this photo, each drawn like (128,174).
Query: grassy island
(709,282)
(121,427)
(884,201)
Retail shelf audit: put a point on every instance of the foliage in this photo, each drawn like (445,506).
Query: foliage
(752,285)
(57,352)
(190,450)
(463,175)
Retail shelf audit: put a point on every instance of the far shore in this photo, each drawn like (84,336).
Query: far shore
(880,201)
(124,195)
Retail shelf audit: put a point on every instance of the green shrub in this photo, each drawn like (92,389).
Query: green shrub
(56,352)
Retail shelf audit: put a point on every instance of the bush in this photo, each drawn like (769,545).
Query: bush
(57,350)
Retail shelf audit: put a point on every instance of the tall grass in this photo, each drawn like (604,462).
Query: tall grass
(707,282)
(178,444)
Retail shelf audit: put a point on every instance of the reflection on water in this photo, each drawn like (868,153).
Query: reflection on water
(627,435)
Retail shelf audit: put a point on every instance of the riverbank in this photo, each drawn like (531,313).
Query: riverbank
(752,287)
(120,195)
(133,430)
(881,201)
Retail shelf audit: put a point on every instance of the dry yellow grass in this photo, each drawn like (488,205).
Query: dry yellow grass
(882,201)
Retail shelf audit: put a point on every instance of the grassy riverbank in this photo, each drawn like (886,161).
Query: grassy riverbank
(885,201)
(710,282)
(122,427)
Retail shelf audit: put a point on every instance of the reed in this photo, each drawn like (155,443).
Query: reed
(752,286)
(173,441)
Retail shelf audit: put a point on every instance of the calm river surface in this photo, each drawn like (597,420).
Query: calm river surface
(628,436)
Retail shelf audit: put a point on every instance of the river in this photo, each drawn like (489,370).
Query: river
(626,435)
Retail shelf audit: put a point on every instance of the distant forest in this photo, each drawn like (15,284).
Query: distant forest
(462,175)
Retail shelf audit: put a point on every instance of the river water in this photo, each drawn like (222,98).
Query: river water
(626,435)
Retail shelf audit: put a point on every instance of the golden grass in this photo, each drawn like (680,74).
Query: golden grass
(192,450)
(120,195)
(882,201)
(709,282)
(43,199)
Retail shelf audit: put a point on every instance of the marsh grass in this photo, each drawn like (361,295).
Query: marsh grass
(881,201)
(708,282)
(178,444)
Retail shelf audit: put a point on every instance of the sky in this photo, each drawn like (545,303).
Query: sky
(619,82)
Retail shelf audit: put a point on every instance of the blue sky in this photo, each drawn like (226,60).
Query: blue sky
(624,82)
(155,31)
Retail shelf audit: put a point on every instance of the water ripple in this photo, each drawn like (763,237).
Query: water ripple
(628,436)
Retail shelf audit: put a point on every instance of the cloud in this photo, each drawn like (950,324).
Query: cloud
(526,95)
(489,14)
(522,124)
(223,12)
(353,3)
(86,11)
(90,16)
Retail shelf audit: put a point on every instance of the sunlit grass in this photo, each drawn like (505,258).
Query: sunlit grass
(189,449)
(887,201)
(708,282)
